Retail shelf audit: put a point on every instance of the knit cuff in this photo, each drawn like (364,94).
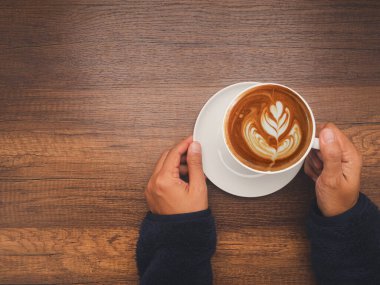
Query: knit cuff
(179,217)
(345,248)
(194,230)
(362,205)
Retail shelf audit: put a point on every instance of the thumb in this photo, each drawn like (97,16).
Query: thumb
(331,153)
(194,163)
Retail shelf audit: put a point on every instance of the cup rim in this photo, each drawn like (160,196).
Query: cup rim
(242,94)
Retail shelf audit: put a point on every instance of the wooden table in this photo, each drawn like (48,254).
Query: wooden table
(93,91)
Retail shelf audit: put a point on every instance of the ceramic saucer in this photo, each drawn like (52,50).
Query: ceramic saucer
(219,166)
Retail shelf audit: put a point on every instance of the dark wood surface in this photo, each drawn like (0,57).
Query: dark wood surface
(91,92)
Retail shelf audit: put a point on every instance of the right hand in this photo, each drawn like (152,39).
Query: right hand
(336,170)
(167,193)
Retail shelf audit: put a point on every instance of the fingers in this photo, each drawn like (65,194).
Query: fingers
(160,162)
(194,163)
(350,156)
(331,154)
(309,169)
(349,153)
(183,170)
(173,158)
(316,161)
(183,158)
(345,143)
(313,165)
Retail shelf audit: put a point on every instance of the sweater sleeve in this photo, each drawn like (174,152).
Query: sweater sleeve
(176,249)
(345,249)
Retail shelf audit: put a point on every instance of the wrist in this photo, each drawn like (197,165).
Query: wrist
(339,213)
(332,208)
(362,205)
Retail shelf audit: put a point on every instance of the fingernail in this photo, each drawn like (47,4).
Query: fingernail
(328,136)
(195,147)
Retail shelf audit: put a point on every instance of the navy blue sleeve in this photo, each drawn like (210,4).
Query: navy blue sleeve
(345,249)
(176,249)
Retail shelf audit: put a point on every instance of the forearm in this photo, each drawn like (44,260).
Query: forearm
(176,249)
(345,249)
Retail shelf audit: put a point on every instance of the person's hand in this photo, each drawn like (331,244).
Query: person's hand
(336,171)
(166,192)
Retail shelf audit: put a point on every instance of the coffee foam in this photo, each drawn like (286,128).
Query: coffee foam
(268,128)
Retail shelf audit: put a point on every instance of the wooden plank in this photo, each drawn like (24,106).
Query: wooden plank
(171,106)
(106,44)
(81,180)
(256,256)
(70,202)
(92,91)
(66,255)
(92,255)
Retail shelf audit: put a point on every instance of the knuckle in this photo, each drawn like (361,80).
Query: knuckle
(160,181)
(159,192)
(307,162)
(307,170)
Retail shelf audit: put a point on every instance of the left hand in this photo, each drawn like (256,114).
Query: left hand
(167,193)
(336,170)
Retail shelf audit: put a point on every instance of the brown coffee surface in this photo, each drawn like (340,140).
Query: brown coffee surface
(268,128)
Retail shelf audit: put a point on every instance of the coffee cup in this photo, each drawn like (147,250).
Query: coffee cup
(269,128)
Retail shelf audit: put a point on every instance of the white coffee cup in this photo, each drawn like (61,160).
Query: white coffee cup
(314,142)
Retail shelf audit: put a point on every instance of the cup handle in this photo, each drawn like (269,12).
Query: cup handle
(315,143)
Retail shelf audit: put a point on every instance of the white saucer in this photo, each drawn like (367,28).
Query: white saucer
(218,165)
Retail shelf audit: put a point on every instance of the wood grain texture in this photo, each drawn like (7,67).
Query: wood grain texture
(91,92)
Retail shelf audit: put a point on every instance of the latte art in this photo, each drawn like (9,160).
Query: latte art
(268,128)
(275,121)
